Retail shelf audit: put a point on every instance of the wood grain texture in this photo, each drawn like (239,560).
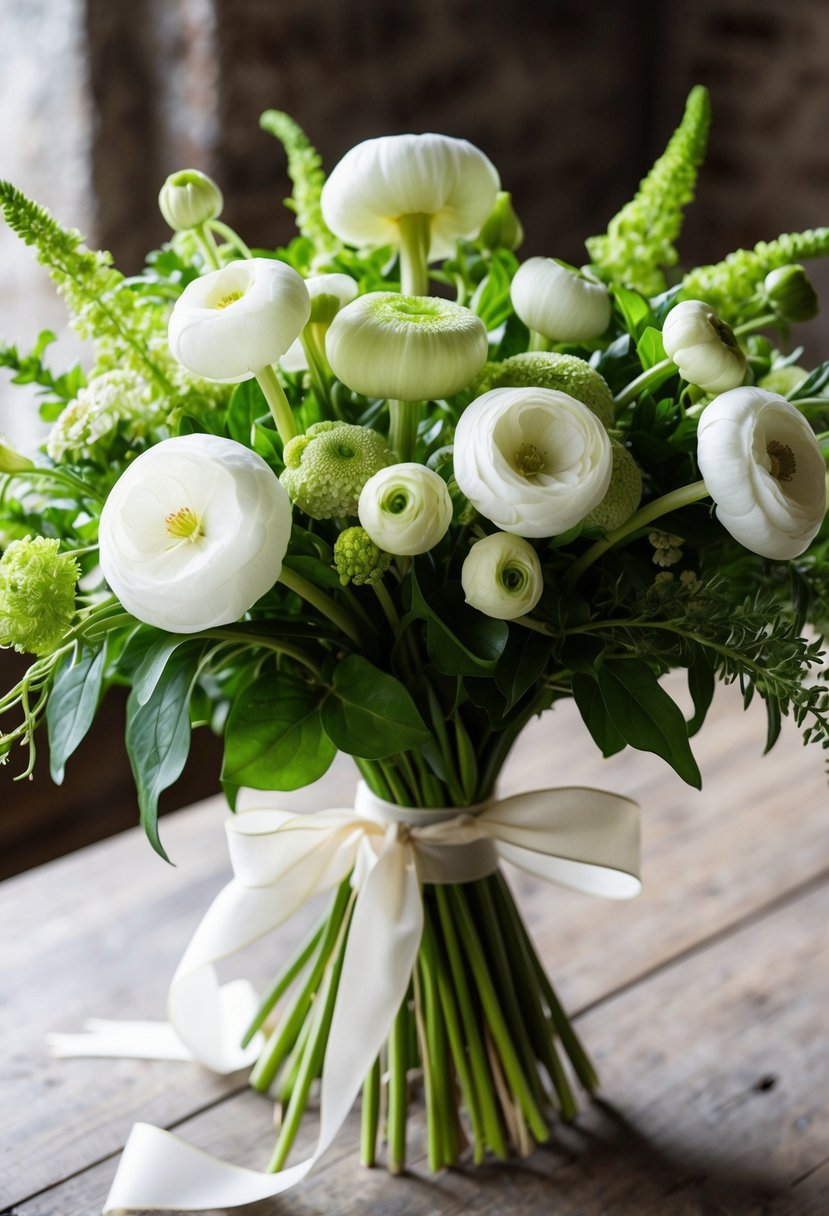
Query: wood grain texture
(714,1101)
(100,933)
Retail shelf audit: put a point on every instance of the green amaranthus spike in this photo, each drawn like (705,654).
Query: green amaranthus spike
(100,303)
(639,241)
(306,173)
(728,284)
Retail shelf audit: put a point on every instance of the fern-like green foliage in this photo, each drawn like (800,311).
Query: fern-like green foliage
(306,173)
(727,285)
(100,303)
(639,241)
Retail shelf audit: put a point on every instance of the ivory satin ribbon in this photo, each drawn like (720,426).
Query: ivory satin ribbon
(580,838)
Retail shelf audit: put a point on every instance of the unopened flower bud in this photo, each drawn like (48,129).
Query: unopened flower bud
(501,576)
(502,228)
(357,559)
(559,302)
(188,199)
(406,509)
(703,347)
(790,293)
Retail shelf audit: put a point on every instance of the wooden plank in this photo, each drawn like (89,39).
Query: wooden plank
(100,933)
(715,1100)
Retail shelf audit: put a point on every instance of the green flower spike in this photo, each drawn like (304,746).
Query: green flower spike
(566,373)
(327,467)
(357,559)
(37,594)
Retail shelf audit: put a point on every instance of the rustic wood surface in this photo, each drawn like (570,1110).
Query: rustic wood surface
(705,1003)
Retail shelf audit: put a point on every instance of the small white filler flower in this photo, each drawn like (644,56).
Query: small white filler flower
(419,193)
(501,576)
(762,466)
(534,461)
(559,303)
(405,509)
(235,323)
(194,533)
(703,347)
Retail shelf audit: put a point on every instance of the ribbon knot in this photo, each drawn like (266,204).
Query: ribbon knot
(580,838)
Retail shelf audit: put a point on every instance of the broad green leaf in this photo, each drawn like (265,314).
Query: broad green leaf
(522,662)
(247,404)
(369,713)
(274,738)
(634,308)
(491,300)
(73,701)
(460,641)
(701,685)
(646,717)
(650,350)
(158,737)
(591,706)
(151,667)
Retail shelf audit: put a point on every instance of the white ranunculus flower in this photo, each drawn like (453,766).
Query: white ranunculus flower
(533,460)
(703,347)
(378,182)
(762,466)
(409,348)
(501,576)
(230,324)
(329,293)
(405,508)
(194,532)
(559,303)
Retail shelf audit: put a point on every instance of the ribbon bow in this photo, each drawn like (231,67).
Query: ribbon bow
(580,838)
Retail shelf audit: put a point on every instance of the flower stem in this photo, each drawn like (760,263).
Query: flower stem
(653,375)
(314,1049)
(749,327)
(403,420)
(396,1132)
(230,236)
(415,239)
(538,342)
(478,1063)
(277,403)
(370,1119)
(207,246)
(323,603)
(673,501)
(284,979)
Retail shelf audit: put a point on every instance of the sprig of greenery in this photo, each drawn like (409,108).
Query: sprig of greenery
(639,241)
(728,284)
(30,369)
(100,303)
(306,173)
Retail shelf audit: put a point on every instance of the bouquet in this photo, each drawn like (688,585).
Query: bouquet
(391,492)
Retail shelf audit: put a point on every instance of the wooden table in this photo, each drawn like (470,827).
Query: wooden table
(705,1003)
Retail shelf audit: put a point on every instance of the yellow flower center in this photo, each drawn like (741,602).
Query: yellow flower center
(529,460)
(184,524)
(230,298)
(783,460)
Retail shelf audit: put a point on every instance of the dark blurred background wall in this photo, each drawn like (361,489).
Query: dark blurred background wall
(572,99)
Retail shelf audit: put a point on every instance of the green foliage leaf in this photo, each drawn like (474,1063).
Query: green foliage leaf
(158,737)
(635,310)
(274,738)
(369,713)
(460,641)
(151,668)
(491,300)
(650,350)
(646,717)
(701,685)
(73,701)
(522,662)
(591,706)
(247,406)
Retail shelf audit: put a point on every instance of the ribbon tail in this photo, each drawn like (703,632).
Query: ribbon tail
(159,1172)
